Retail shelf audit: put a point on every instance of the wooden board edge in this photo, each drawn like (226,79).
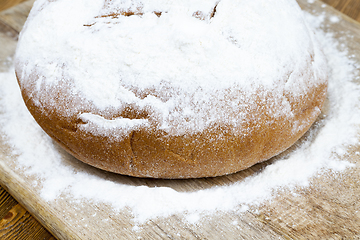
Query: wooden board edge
(332,9)
(38,208)
(343,15)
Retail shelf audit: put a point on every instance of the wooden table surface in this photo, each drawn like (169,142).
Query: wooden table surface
(17,223)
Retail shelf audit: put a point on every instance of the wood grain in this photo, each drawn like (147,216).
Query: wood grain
(322,206)
(12,226)
(6,202)
(17,223)
(5,4)
(350,8)
(21,11)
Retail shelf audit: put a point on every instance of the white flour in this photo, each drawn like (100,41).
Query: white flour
(36,153)
(183,72)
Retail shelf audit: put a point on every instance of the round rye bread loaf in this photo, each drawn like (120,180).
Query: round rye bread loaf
(171,88)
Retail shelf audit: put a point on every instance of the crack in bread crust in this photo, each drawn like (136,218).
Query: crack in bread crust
(174,97)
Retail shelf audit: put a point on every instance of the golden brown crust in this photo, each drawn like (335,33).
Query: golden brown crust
(149,152)
(245,119)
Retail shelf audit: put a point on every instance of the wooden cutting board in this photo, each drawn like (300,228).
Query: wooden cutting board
(329,208)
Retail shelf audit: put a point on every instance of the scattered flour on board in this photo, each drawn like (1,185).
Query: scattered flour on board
(334,19)
(36,153)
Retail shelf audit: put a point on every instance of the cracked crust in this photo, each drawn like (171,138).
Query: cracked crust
(150,151)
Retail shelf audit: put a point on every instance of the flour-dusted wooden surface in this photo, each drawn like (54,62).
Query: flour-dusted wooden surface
(349,7)
(5,4)
(328,209)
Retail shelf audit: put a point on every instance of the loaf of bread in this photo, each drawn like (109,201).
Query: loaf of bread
(171,88)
